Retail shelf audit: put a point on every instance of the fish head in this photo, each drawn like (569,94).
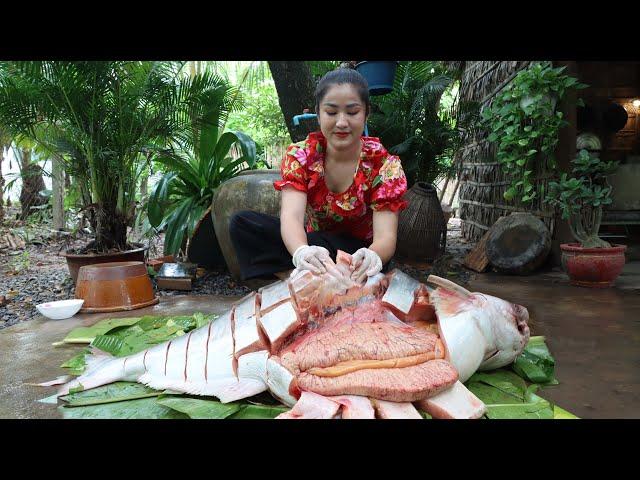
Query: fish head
(505,327)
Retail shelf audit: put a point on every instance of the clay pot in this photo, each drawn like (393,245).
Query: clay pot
(422,227)
(115,286)
(74,262)
(251,190)
(592,267)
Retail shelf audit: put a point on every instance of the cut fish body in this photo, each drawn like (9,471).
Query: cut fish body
(318,336)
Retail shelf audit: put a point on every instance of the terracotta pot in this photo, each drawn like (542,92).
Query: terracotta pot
(592,267)
(115,286)
(74,261)
(251,190)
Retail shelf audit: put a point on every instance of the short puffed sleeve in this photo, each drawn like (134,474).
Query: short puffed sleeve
(389,186)
(293,172)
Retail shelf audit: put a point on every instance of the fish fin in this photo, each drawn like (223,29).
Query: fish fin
(58,381)
(225,389)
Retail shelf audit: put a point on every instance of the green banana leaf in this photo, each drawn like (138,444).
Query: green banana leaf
(199,408)
(258,412)
(143,408)
(87,334)
(535,363)
(113,392)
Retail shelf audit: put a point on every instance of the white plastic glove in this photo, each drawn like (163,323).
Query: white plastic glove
(311,257)
(365,263)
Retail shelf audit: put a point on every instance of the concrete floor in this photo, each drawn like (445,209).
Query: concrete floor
(594,336)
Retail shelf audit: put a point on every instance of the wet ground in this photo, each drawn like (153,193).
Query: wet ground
(594,336)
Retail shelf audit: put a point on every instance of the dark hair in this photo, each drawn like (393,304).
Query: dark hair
(343,76)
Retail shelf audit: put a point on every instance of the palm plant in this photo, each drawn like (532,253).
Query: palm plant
(199,162)
(410,122)
(99,116)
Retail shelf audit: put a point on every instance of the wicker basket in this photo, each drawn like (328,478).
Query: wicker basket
(422,229)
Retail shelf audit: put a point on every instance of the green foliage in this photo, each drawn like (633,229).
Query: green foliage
(523,124)
(99,116)
(261,116)
(535,363)
(581,197)
(411,123)
(199,162)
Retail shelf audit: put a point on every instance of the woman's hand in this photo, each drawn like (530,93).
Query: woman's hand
(365,263)
(312,258)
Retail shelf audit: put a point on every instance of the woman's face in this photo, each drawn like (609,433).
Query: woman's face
(342,116)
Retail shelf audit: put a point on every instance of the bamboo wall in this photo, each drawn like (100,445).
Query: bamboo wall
(482,181)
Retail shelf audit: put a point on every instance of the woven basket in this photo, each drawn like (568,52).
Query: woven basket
(422,228)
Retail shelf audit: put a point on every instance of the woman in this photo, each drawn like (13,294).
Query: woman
(348,185)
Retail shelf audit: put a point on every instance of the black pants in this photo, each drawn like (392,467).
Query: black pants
(261,251)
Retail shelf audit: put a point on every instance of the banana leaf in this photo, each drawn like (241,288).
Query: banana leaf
(255,412)
(535,363)
(199,408)
(76,364)
(561,414)
(503,380)
(114,392)
(87,334)
(143,408)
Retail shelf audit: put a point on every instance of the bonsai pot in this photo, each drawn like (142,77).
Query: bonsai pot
(75,261)
(114,286)
(592,267)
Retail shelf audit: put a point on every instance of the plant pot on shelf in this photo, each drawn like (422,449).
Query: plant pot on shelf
(75,261)
(422,229)
(592,267)
(114,287)
(379,75)
(250,190)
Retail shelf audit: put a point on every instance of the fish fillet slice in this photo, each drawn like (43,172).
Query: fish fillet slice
(394,410)
(248,336)
(355,407)
(456,402)
(273,296)
(279,323)
(401,292)
(311,405)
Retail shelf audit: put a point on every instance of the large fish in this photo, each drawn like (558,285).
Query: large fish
(331,348)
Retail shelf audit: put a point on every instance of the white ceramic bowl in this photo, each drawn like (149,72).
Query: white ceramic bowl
(60,309)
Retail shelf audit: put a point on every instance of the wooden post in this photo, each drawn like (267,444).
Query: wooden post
(57,186)
(565,152)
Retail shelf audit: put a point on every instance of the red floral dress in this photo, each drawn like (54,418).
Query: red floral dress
(379,184)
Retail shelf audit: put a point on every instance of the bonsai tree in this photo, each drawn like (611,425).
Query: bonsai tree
(199,163)
(99,116)
(524,126)
(581,197)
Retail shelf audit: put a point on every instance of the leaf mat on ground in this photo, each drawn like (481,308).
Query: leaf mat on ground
(113,392)
(535,363)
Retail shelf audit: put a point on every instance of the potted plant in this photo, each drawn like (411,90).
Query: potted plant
(524,125)
(196,166)
(99,116)
(592,262)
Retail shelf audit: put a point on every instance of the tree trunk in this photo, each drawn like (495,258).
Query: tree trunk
(111,230)
(295,86)
(32,184)
(57,185)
